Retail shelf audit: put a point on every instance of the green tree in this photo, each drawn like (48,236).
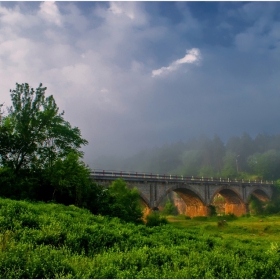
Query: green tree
(123,202)
(34,134)
(70,177)
(170,209)
(207,171)
(266,165)
(243,147)
(191,162)
(230,166)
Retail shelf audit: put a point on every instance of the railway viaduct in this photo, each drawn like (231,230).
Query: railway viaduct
(197,193)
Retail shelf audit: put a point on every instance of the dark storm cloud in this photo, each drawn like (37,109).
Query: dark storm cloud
(99,59)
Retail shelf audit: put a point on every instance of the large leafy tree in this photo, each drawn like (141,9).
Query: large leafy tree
(33,134)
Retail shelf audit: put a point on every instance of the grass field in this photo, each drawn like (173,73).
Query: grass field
(39,240)
(266,228)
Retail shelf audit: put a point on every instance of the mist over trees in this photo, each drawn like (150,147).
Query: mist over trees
(40,159)
(239,157)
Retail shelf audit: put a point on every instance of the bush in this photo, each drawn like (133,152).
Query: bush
(222,223)
(170,209)
(213,211)
(256,206)
(154,219)
(122,202)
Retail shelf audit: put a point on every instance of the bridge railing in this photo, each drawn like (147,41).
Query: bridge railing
(107,174)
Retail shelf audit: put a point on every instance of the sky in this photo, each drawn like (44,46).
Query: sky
(135,75)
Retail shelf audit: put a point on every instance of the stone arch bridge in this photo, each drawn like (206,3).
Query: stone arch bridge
(197,193)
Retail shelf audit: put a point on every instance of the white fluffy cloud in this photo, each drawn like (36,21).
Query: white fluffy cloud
(49,11)
(88,67)
(192,56)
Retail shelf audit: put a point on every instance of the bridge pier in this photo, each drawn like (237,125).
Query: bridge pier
(236,209)
(247,210)
(198,210)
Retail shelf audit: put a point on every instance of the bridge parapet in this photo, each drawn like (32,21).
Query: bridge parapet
(149,177)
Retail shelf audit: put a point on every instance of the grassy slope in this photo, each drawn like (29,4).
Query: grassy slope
(40,240)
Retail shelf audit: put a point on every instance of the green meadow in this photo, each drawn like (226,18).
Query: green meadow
(265,229)
(47,240)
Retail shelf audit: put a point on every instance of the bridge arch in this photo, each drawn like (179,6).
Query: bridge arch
(233,200)
(144,199)
(196,192)
(260,193)
(195,204)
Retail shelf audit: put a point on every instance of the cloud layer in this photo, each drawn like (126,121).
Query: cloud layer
(115,68)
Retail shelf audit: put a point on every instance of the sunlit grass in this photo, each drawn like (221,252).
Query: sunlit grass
(266,228)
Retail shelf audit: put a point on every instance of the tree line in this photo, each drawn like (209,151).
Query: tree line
(241,157)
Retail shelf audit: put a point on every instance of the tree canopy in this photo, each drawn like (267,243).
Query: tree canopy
(34,134)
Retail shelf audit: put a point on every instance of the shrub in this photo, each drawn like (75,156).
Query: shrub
(222,223)
(256,206)
(170,209)
(213,211)
(154,219)
(122,202)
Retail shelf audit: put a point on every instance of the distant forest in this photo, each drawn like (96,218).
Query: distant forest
(240,157)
